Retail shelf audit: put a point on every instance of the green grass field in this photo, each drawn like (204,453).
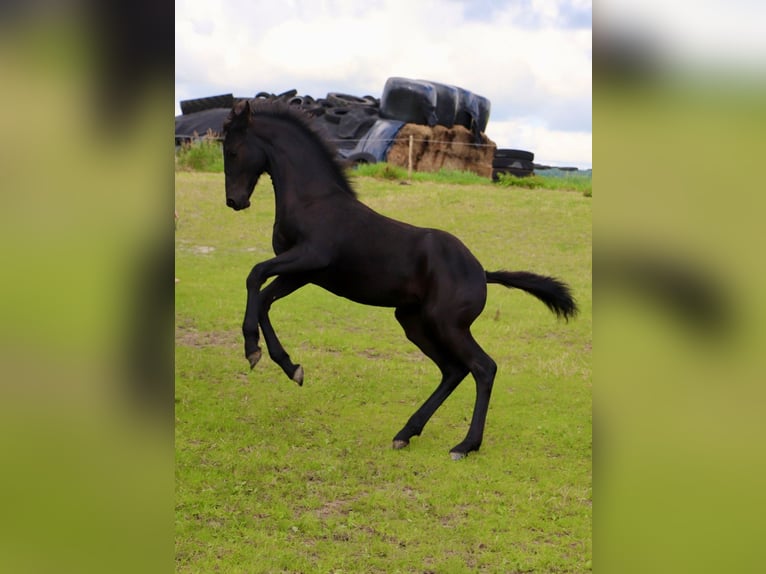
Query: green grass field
(272,477)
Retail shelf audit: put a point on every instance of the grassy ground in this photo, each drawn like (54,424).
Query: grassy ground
(272,477)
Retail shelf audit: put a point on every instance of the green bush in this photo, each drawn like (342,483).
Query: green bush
(200,155)
(380,171)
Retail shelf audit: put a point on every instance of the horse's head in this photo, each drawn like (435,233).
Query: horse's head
(244,160)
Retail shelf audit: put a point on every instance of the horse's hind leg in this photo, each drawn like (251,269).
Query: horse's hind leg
(453,372)
(483,369)
(282,286)
(456,353)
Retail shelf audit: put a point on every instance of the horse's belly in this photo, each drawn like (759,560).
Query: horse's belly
(370,291)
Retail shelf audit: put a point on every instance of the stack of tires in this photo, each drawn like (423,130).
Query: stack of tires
(342,119)
(362,129)
(224,101)
(512,161)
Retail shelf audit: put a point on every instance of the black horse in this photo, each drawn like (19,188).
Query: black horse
(324,235)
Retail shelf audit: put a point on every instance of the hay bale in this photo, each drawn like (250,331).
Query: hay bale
(439,147)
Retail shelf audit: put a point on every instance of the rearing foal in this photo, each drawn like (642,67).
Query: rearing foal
(325,236)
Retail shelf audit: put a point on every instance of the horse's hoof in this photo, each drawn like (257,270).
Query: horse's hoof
(399,444)
(298,376)
(457,455)
(253,358)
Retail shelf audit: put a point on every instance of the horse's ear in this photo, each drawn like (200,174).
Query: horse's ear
(240,115)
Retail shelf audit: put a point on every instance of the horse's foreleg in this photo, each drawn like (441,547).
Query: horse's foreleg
(295,260)
(282,286)
(250,328)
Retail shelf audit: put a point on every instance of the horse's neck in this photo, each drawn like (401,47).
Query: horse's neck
(297,169)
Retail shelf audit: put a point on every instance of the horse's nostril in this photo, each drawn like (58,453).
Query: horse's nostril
(230,203)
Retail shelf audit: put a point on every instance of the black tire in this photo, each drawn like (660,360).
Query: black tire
(285,96)
(514,154)
(301,101)
(208,103)
(314,110)
(338,99)
(512,171)
(361,158)
(335,114)
(356,122)
(512,163)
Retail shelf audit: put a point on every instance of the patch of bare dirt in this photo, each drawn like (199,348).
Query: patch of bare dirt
(188,337)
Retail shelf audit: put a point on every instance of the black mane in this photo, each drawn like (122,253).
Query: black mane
(280,110)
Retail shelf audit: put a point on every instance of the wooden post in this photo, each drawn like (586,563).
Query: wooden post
(409,161)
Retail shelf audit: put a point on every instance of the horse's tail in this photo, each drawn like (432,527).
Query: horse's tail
(554,293)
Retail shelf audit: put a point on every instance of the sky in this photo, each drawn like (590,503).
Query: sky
(530,58)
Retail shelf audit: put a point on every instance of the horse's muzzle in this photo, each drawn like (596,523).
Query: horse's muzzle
(237,206)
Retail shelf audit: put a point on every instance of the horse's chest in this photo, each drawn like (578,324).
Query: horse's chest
(282,239)
(280,244)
